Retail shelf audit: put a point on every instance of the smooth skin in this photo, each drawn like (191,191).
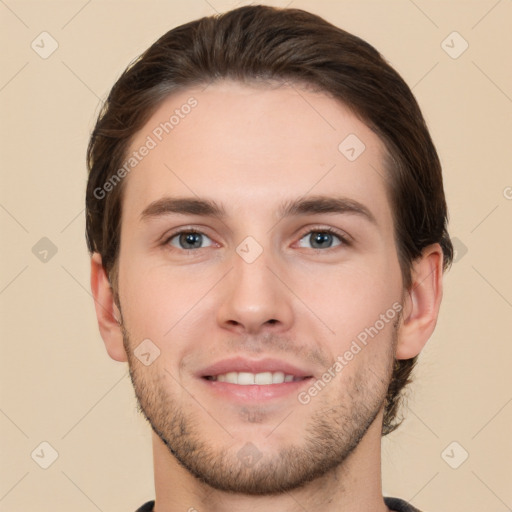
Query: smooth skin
(252,150)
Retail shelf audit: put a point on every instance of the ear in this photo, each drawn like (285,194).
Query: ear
(107,312)
(422,303)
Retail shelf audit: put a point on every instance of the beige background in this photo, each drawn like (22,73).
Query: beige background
(58,384)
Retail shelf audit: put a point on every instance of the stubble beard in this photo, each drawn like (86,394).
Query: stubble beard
(330,435)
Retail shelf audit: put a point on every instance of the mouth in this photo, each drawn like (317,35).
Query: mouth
(242,379)
(260,379)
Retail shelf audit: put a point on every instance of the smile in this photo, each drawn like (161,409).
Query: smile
(261,379)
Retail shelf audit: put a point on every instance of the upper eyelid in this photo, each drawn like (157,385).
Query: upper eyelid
(167,238)
(184,229)
(326,229)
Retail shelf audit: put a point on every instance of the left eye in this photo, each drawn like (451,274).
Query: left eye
(190,240)
(320,240)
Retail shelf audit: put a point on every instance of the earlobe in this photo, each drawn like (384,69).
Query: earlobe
(107,313)
(422,304)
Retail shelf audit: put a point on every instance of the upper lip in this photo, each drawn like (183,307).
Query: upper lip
(242,364)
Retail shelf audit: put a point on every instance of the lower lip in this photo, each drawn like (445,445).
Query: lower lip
(255,392)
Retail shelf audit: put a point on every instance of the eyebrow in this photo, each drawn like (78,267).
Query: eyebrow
(183,206)
(326,204)
(312,205)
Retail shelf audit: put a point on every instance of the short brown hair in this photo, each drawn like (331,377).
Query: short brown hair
(261,43)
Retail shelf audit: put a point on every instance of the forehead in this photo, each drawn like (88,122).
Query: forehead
(250,144)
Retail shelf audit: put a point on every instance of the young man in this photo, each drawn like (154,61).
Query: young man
(267,224)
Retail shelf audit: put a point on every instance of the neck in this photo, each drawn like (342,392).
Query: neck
(354,486)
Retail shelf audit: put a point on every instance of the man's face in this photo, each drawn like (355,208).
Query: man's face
(289,261)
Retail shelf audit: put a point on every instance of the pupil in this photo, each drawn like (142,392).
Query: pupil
(322,240)
(191,239)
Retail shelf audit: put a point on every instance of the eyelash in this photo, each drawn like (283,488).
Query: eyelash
(343,238)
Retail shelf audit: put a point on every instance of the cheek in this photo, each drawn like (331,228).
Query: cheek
(352,296)
(147,300)
(159,301)
(165,303)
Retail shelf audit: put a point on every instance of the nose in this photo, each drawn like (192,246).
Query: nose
(254,298)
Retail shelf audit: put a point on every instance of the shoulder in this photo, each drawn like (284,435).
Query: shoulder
(398,505)
(147,507)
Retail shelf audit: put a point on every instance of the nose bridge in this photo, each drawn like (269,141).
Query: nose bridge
(255,275)
(253,297)
(251,279)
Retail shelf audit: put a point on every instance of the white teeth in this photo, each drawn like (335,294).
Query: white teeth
(277,378)
(247,379)
(232,377)
(262,378)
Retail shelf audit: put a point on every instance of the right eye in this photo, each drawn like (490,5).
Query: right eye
(189,240)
